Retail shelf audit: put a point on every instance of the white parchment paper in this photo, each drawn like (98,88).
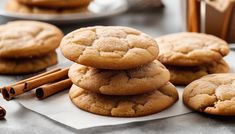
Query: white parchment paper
(60,108)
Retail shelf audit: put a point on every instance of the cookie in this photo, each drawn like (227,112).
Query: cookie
(27,65)
(109,47)
(28,39)
(212,94)
(185,75)
(190,49)
(56,3)
(15,7)
(124,106)
(120,82)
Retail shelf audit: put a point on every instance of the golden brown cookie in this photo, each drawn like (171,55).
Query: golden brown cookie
(190,49)
(109,47)
(124,106)
(120,82)
(16,7)
(27,65)
(212,94)
(56,3)
(28,39)
(185,75)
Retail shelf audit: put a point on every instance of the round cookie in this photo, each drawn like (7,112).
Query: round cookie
(28,39)
(190,49)
(15,7)
(212,94)
(185,75)
(109,47)
(124,106)
(120,82)
(56,3)
(27,65)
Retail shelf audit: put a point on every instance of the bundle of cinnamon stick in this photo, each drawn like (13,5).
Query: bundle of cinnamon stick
(46,84)
(202,18)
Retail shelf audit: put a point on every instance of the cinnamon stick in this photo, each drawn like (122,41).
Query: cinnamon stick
(193,16)
(48,90)
(2,113)
(15,90)
(46,79)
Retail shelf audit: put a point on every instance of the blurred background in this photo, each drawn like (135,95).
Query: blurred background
(154,17)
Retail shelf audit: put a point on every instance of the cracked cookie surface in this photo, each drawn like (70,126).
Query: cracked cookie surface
(56,3)
(120,82)
(28,39)
(124,106)
(109,47)
(190,49)
(16,7)
(185,75)
(27,65)
(212,94)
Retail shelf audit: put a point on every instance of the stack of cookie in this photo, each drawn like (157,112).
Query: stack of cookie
(115,73)
(28,46)
(189,56)
(47,6)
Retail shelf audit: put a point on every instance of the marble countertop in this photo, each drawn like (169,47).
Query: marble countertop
(156,22)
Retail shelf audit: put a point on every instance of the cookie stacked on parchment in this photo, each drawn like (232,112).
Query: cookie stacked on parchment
(28,46)
(115,72)
(189,56)
(47,6)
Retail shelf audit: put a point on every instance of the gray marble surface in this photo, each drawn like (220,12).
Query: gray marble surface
(155,22)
